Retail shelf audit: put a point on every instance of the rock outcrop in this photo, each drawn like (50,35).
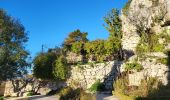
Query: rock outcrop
(150,16)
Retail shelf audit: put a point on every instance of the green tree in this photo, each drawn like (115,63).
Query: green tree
(96,48)
(114,27)
(113,24)
(43,65)
(77,47)
(75,36)
(13,56)
(60,69)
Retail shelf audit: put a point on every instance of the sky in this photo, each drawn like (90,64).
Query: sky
(48,22)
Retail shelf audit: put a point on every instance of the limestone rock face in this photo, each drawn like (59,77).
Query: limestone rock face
(152,15)
(149,16)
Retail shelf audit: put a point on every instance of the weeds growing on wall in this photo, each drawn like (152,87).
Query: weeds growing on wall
(133,66)
(125,92)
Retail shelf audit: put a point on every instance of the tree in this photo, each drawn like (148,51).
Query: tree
(75,36)
(13,55)
(43,65)
(96,48)
(77,47)
(60,70)
(114,27)
(113,24)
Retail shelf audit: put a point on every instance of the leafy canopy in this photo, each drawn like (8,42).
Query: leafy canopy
(13,56)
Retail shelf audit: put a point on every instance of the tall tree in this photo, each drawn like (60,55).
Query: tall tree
(114,27)
(12,51)
(43,65)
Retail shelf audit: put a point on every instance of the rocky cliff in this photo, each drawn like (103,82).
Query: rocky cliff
(150,17)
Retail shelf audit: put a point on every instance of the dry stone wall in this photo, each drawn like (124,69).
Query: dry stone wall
(86,75)
(151,68)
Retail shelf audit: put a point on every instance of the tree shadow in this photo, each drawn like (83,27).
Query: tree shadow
(111,77)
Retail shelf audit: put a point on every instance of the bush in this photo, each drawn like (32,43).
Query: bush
(147,88)
(162,61)
(133,66)
(77,47)
(30,94)
(97,86)
(87,96)
(1,98)
(77,94)
(69,93)
(60,69)
(150,43)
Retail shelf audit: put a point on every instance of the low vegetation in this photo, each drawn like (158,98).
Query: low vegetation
(1,98)
(133,66)
(146,89)
(30,93)
(97,86)
(68,93)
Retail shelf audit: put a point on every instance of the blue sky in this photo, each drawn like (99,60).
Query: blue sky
(49,22)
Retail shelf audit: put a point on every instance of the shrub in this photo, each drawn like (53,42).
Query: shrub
(97,86)
(133,66)
(87,96)
(60,69)
(125,92)
(30,94)
(1,98)
(162,61)
(150,43)
(77,47)
(69,94)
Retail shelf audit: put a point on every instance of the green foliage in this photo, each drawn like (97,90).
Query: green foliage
(114,27)
(87,96)
(112,46)
(162,61)
(13,55)
(97,86)
(75,36)
(68,93)
(154,44)
(150,43)
(120,85)
(30,94)
(133,66)
(113,24)
(125,9)
(77,47)
(60,70)
(95,48)
(126,92)
(43,65)
(1,98)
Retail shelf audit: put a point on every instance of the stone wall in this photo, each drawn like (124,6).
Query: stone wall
(86,75)
(151,68)
(7,88)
